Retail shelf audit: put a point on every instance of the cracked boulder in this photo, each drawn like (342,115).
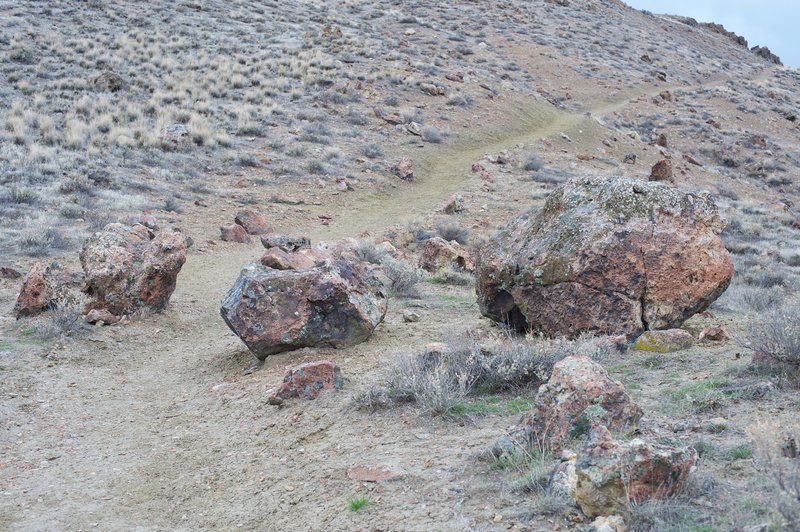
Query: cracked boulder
(291,300)
(606,255)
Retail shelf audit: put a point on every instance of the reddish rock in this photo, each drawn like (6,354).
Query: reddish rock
(404,169)
(234,233)
(37,292)
(279,259)
(374,473)
(252,222)
(335,304)
(578,394)
(662,171)
(9,273)
(432,90)
(714,334)
(284,242)
(611,475)
(607,255)
(308,380)
(128,268)
(691,160)
(438,253)
(100,316)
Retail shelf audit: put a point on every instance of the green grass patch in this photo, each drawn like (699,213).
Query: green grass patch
(703,396)
(6,346)
(520,405)
(740,452)
(27,332)
(357,503)
(653,362)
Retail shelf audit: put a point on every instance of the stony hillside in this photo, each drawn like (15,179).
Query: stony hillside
(418,129)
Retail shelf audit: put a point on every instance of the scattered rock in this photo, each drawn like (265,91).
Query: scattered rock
(751,390)
(410,316)
(285,200)
(714,334)
(7,272)
(334,304)
(667,341)
(662,171)
(630,158)
(252,222)
(404,169)
(391,118)
(660,75)
(611,474)
(234,233)
(101,317)
(563,479)
(438,253)
(455,205)
(662,140)
(414,128)
(128,268)
(374,473)
(37,292)
(608,255)
(646,58)
(458,77)
(691,160)
(308,380)
(578,394)
(665,95)
(284,242)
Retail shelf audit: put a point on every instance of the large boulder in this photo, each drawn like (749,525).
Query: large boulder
(336,302)
(606,255)
(610,475)
(578,394)
(129,268)
(44,288)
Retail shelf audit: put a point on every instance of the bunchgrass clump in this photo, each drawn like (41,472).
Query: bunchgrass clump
(357,503)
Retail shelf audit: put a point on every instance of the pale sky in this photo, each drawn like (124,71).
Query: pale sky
(771,23)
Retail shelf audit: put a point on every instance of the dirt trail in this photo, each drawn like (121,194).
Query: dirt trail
(153,425)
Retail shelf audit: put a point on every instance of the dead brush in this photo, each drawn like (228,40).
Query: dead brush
(779,456)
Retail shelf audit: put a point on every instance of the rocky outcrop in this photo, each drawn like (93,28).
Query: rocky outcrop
(129,268)
(610,475)
(438,253)
(307,381)
(606,255)
(336,302)
(578,394)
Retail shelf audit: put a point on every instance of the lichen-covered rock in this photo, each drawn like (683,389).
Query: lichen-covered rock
(337,303)
(606,255)
(308,380)
(611,475)
(438,253)
(129,268)
(578,394)
(667,341)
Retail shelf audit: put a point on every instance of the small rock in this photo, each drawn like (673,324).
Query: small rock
(630,158)
(101,317)
(438,253)
(308,380)
(662,140)
(662,171)
(404,169)
(691,160)
(9,273)
(714,334)
(286,243)
(667,341)
(414,128)
(252,222)
(410,316)
(455,205)
(611,523)
(175,135)
(234,233)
